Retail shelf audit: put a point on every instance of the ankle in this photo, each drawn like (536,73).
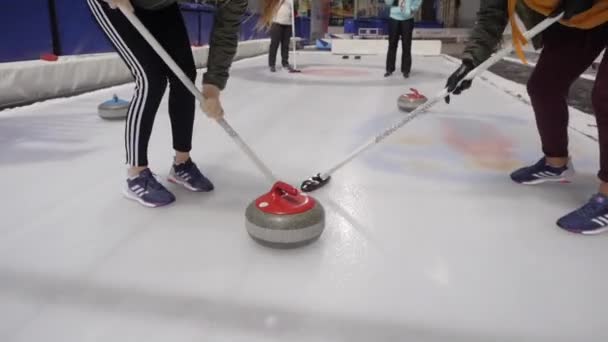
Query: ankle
(604,188)
(181,157)
(134,171)
(557,162)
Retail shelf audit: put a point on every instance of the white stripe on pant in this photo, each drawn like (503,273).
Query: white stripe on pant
(136,108)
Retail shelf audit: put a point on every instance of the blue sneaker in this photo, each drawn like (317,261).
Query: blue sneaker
(189,176)
(541,172)
(592,218)
(146,190)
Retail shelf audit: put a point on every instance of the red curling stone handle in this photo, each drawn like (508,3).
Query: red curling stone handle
(279,188)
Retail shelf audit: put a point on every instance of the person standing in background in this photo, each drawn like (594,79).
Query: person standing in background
(400,26)
(280,34)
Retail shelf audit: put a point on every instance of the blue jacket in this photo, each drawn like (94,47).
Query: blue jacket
(410,7)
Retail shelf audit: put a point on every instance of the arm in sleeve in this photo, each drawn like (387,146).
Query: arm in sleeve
(415,5)
(492,20)
(224,41)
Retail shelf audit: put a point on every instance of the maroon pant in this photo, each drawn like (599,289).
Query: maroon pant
(567,53)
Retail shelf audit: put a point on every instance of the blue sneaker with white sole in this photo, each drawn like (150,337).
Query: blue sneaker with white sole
(590,219)
(541,173)
(146,190)
(189,176)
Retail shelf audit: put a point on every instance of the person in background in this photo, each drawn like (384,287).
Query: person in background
(280,34)
(400,26)
(569,48)
(164,20)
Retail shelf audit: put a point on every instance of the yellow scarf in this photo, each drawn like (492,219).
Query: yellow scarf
(594,17)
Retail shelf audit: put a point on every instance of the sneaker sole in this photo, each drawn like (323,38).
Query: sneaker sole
(546,180)
(185,184)
(129,195)
(586,232)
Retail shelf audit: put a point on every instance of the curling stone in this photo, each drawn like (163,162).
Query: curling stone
(285,218)
(114,109)
(411,101)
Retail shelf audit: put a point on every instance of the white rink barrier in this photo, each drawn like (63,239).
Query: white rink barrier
(380,46)
(30,81)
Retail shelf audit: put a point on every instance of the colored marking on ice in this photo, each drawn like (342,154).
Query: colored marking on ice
(481,143)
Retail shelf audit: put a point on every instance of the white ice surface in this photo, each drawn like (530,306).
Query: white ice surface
(426,240)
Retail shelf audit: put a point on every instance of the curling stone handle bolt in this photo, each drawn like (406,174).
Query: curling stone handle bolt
(281,188)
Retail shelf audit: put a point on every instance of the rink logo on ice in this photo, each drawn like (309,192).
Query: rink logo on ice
(453,146)
(481,144)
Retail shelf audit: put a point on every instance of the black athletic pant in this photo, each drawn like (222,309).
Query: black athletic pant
(566,54)
(400,29)
(151,74)
(279,34)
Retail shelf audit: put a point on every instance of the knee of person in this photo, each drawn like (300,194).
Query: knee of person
(156,82)
(540,88)
(534,86)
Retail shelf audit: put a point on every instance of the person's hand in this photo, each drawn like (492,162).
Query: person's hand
(453,85)
(572,7)
(114,4)
(212,106)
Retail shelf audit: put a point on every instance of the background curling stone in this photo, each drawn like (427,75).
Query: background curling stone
(114,109)
(285,218)
(411,101)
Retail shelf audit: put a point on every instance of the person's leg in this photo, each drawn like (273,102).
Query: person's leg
(569,53)
(566,54)
(393,41)
(407,31)
(150,84)
(285,38)
(592,218)
(275,40)
(172,35)
(174,39)
(599,98)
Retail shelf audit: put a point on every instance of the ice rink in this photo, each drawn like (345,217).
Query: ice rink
(426,240)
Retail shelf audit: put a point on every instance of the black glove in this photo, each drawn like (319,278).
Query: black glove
(452,84)
(572,7)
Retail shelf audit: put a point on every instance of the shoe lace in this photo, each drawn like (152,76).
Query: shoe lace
(151,182)
(193,170)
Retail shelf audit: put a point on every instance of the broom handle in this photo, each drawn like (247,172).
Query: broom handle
(293,33)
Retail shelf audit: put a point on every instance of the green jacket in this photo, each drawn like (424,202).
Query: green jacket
(224,41)
(224,36)
(492,19)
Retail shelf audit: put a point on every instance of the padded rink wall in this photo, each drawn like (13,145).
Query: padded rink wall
(30,81)
(87,60)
